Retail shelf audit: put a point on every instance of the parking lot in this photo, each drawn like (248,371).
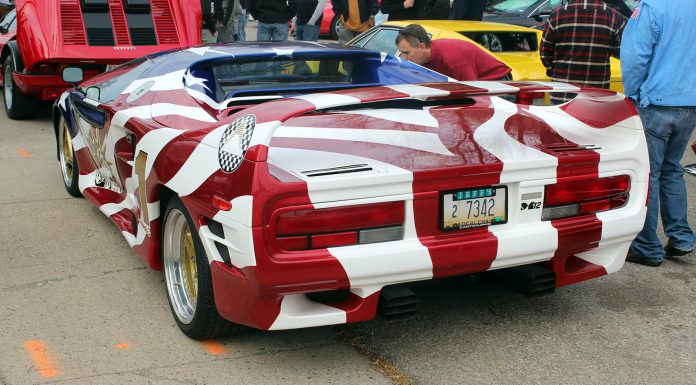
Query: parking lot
(78,307)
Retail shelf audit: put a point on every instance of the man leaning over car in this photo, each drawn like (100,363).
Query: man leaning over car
(458,59)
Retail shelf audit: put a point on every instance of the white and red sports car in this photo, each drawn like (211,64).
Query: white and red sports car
(288,186)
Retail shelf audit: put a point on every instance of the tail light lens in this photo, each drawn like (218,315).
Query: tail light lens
(585,196)
(532,98)
(306,229)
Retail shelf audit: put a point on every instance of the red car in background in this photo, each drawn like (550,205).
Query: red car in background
(39,38)
(329,22)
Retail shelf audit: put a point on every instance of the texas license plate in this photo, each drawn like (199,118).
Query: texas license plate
(482,206)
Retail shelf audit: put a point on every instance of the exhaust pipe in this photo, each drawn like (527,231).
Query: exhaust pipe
(397,303)
(530,280)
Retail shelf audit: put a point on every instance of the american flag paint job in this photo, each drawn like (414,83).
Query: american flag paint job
(461,135)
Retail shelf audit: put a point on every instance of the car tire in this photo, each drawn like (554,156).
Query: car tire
(68,161)
(17,105)
(333,29)
(188,278)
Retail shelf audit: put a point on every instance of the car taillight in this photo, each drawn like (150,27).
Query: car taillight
(574,197)
(532,98)
(305,229)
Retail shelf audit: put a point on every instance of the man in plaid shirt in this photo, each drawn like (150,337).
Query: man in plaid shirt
(578,41)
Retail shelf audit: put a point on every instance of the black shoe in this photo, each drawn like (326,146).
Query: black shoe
(671,251)
(634,257)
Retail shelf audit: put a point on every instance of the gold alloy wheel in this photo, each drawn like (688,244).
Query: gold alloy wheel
(190,268)
(180,268)
(66,154)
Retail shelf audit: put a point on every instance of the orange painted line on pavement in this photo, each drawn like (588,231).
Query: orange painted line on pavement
(122,345)
(43,364)
(214,348)
(24,153)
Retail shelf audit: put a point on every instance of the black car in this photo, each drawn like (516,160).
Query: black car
(533,13)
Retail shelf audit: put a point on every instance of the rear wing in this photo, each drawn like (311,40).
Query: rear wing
(254,126)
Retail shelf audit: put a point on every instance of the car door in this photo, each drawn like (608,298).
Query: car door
(93,123)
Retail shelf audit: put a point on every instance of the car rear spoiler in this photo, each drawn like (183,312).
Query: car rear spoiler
(265,118)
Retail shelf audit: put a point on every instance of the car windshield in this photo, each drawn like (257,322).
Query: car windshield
(112,83)
(240,78)
(509,6)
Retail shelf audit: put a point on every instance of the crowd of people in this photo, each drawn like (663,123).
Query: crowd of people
(578,41)
(225,20)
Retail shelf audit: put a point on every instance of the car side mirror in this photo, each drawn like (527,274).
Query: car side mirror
(73,75)
(93,93)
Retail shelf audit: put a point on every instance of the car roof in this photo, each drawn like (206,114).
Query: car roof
(462,25)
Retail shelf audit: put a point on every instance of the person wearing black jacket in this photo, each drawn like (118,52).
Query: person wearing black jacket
(208,32)
(227,21)
(309,17)
(416,9)
(359,22)
(401,9)
(467,10)
(273,17)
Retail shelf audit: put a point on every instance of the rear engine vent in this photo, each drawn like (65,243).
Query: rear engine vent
(100,36)
(97,22)
(164,22)
(143,36)
(118,18)
(337,170)
(71,23)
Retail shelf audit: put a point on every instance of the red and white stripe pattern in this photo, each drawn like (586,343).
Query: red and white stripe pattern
(414,154)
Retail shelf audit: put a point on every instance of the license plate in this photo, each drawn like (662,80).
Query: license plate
(482,206)
(109,67)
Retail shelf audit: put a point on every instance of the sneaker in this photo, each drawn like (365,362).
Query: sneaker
(634,257)
(671,251)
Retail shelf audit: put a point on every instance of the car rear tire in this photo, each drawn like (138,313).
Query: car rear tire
(333,29)
(17,105)
(188,279)
(68,161)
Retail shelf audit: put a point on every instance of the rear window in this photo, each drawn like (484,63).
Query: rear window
(240,78)
(505,41)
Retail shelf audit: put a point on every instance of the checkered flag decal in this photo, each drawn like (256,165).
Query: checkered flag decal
(235,142)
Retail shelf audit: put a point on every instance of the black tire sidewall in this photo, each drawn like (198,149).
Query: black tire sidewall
(23,106)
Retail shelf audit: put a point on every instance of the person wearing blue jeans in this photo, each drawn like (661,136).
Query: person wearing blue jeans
(272,31)
(654,57)
(309,17)
(273,17)
(242,22)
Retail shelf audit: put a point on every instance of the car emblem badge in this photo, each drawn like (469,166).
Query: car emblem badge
(235,142)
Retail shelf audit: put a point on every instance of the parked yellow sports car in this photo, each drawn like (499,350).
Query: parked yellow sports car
(516,46)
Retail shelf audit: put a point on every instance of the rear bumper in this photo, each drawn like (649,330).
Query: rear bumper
(44,87)
(269,291)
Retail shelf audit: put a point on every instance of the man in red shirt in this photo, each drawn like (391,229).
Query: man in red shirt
(458,59)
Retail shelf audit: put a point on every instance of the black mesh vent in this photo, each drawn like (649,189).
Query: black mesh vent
(100,36)
(143,36)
